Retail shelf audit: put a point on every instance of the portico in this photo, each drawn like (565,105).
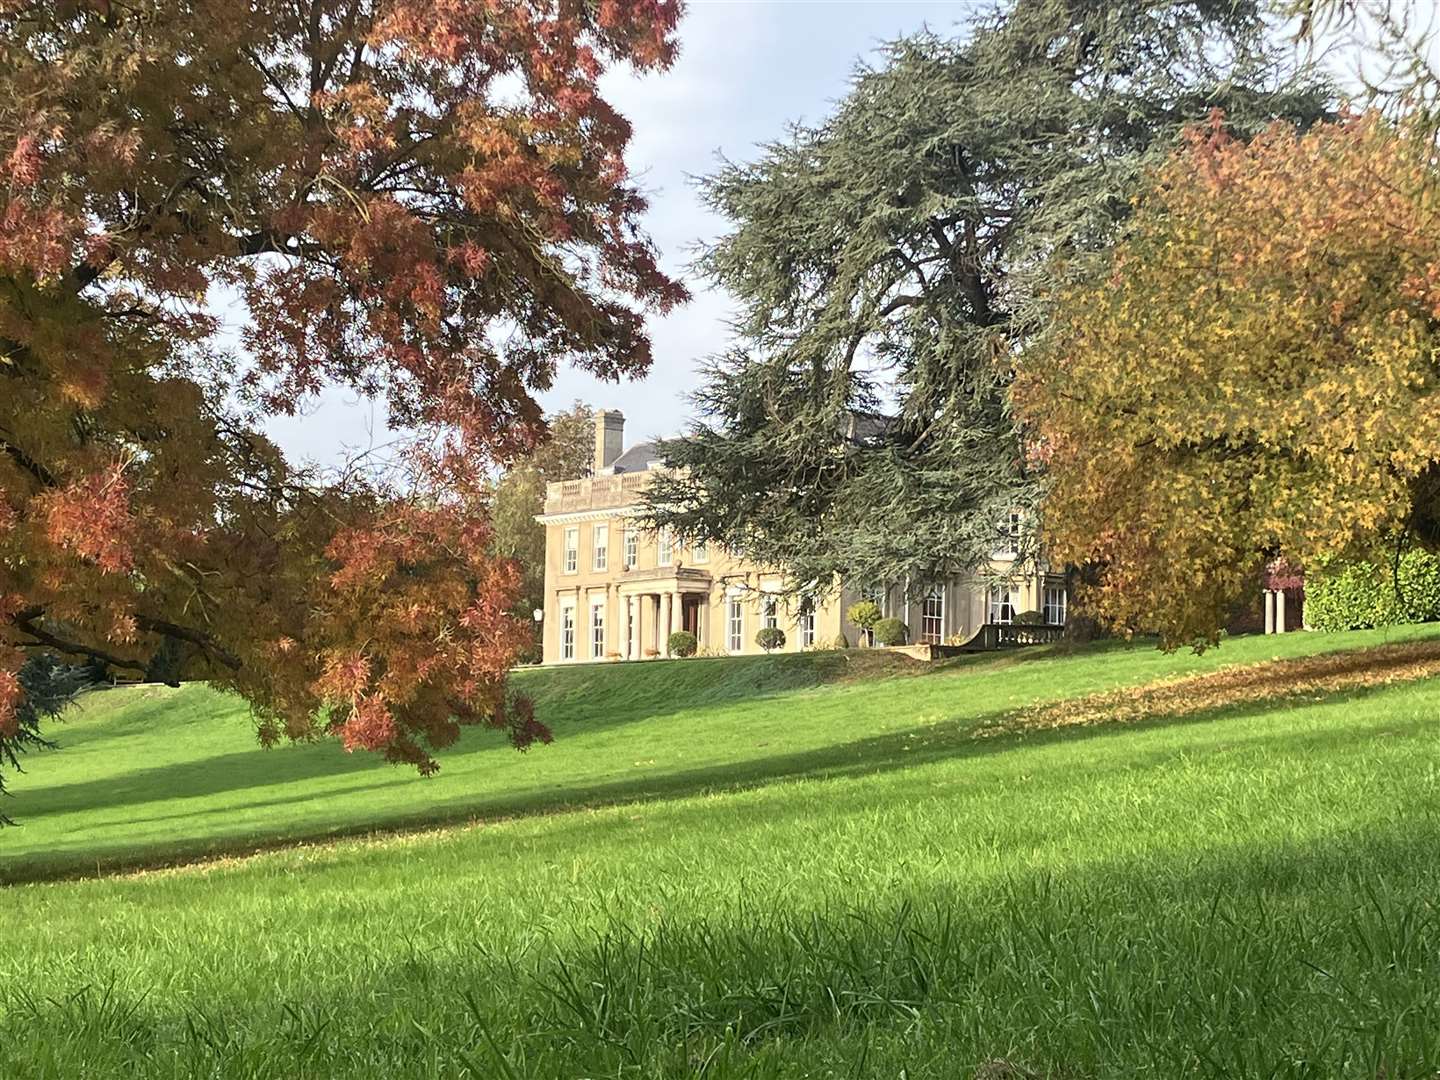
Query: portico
(656,603)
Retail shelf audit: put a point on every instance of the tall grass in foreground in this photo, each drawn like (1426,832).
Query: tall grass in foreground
(1248,893)
(1234,970)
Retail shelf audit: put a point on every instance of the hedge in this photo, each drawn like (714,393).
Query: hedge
(1360,595)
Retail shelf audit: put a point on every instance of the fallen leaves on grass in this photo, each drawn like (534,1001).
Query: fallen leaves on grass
(1186,695)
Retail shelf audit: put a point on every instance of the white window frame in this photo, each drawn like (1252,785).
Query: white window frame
(567,631)
(770,612)
(805,622)
(597,630)
(700,552)
(632,547)
(664,547)
(735,622)
(571,563)
(600,547)
(936,636)
(1057,602)
(1010,546)
(1001,598)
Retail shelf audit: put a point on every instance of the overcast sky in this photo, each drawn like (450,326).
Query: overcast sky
(746,69)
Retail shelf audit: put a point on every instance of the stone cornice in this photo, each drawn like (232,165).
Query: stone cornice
(573,516)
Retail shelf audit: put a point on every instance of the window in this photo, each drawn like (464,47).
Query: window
(735,624)
(567,633)
(700,553)
(600,547)
(665,547)
(597,631)
(1009,537)
(572,549)
(1055,605)
(1002,605)
(932,615)
(806,623)
(770,612)
(632,548)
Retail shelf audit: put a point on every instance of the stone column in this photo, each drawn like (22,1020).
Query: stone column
(1269,611)
(631,630)
(664,629)
(1279,611)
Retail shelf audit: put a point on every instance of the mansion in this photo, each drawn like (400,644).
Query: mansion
(617,591)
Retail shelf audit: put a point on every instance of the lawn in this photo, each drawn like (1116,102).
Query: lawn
(776,867)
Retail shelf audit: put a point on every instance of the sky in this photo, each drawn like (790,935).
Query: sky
(747,68)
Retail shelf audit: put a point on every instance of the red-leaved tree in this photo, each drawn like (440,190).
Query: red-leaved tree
(422,200)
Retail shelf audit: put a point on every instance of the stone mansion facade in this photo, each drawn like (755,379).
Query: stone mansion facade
(616,591)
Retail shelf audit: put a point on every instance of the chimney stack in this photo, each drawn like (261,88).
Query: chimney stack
(609,439)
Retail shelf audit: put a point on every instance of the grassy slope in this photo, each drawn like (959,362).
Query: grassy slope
(150,775)
(1253,895)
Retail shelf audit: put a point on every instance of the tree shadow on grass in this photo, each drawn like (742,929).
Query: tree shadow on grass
(572,700)
(587,698)
(877,754)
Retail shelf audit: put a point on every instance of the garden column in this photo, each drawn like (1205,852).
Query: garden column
(1269,611)
(1279,611)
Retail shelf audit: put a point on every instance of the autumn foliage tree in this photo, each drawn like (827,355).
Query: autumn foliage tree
(1253,374)
(425,202)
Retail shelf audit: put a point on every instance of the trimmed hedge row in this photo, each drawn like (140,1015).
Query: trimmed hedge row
(1361,595)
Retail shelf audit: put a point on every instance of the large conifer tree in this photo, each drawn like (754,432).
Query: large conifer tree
(896,257)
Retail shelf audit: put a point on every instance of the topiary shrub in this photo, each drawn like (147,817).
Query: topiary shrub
(770,638)
(891,632)
(1360,595)
(865,614)
(1030,618)
(682,643)
(840,642)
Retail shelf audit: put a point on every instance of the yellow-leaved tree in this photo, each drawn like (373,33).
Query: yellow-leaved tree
(1253,373)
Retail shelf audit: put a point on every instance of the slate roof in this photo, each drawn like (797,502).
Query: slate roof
(864,427)
(637,458)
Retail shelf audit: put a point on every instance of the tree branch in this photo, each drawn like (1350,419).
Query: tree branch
(194,637)
(25,622)
(26,462)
